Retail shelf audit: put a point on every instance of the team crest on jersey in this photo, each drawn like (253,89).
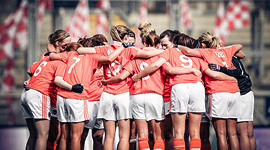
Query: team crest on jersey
(220,54)
(110,51)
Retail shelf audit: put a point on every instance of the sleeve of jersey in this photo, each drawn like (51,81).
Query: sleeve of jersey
(164,66)
(64,56)
(102,50)
(33,67)
(230,50)
(206,53)
(93,59)
(129,67)
(60,69)
(204,65)
(132,52)
(165,54)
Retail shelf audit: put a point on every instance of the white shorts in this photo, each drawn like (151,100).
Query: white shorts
(148,106)
(246,107)
(35,105)
(225,105)
(93,111)
(167,107)
(53,112)
(114,107)
(188,97)
(71,110)
(206,118)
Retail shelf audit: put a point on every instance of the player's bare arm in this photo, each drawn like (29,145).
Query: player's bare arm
(151,68)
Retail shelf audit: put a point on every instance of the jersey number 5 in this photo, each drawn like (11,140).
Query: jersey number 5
(187,62)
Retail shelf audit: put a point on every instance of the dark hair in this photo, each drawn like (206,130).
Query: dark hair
(152,39)
(73,46)
(85,42)
(183,39)
(99,40)
(169,33)
(197,44)
(58,36)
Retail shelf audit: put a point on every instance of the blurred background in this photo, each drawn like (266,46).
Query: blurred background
(26,25)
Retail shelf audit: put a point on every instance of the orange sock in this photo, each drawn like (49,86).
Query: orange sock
(195,144)
(143,144)
(51,146)
(159,144)
(206,147)
(179,144)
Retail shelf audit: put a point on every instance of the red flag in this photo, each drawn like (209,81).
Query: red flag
(13,32)
(236,16)
(79,24)
(143,12)
(102,18)
(185,14)
(43,5)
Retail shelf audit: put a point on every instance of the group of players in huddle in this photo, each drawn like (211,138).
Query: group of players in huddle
(169,92)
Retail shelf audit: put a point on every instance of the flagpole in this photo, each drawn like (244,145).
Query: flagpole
(32,33)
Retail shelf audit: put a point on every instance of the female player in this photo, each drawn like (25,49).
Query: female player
(245,121)
(43,76)
(224,95)
(149,89)
(115,101)
(166,41)
(72,108)
(96,125)
(187,91)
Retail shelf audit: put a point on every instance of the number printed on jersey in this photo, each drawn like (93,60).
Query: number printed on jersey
(114,68)
(186,61)
(220,54)
(39,68)
(76,61)
(143,65)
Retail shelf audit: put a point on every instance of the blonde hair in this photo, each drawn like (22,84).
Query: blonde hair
(118,32)
(58,36)
(145,28)
(209,40)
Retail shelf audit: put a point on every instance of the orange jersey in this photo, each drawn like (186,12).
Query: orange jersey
(79,70)
(115,67)
(96,86)
(167,87)
(43,77)
(52,93)
(223,57)
(153,83)
(176,58)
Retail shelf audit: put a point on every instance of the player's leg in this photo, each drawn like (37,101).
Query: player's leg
(109,127)
(168,132)
(76,130)
(179,120)
(142,129)
(205,134)
(133,136)
(83,137)
(97,135)
(194,130)
(64,140)
(124,132)
(220,128)
(158,134)
(232,134)
(42,128)
(54,134)
(242,133)
(251,136)
(32,134)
